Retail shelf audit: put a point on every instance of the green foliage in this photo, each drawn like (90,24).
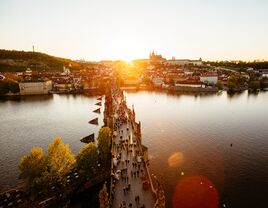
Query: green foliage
(87,160)
(104,140)
(39,170)
(264,83)
(254,85)
(13,86)
(60,158)
(104,146)
(9,85)
(241,66)
(236,83)
(36,61)
(4,87)
(33,167)
(231,86)
(219,85)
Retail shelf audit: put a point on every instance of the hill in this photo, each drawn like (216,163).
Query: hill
(21,60)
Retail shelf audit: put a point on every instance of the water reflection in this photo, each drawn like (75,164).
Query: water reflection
(202,129)
(235,94)
(26,98)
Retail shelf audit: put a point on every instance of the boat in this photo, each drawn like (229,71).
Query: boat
(88,139)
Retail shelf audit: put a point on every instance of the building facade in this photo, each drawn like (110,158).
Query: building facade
(35,87)
(183,62)
(210,78)
(190,84)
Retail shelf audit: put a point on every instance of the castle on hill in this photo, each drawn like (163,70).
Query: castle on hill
(155,58)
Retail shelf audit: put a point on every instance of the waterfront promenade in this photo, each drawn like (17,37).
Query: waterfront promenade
(131,183)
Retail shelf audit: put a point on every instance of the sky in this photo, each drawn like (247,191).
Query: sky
(130,29)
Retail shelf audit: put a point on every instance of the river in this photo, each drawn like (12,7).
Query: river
(217,142)
(36,121)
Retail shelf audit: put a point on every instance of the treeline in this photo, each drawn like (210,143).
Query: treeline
(34,60)
(239,83)
(9,85)
(241,66)
(59,172)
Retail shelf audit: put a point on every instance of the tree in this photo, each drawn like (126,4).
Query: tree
(104,140)
(40,171)
(264,83)
(9,85)
(236,83)
(13,86)
(219,85)
(104,197)
(87,160)
(60,158)
(104,145)
(231,86)
(254,85)
(4,88)
(33,167)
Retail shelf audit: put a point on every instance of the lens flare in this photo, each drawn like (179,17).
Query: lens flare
(195,192)
(176,159)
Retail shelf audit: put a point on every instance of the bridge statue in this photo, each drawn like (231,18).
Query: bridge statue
(160,194)
(103,197)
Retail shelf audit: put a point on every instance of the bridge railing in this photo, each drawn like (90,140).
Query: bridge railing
(135,127)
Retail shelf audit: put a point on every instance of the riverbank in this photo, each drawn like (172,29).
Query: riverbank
(171,89)
(94,91)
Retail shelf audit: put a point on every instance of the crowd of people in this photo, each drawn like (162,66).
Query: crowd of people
(128,166)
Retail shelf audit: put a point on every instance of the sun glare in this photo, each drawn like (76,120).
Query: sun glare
(125,47)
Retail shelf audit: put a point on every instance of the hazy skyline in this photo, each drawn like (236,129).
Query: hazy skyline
(122,29)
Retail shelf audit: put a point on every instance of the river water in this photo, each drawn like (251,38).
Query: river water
(36,121)
(203,145)
(213,145)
